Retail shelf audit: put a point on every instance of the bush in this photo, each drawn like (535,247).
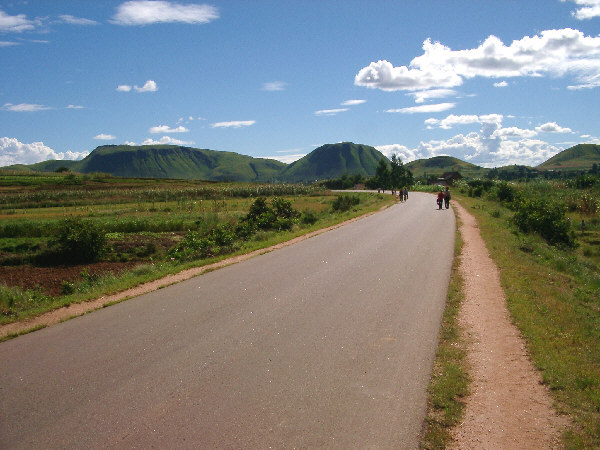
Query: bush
(546,218)
(78,241)
(506,192)
(309,218)
(344,202)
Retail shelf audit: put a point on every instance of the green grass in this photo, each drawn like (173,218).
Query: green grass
(449,381)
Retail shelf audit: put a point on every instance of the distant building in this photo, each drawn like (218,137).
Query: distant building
(447,179)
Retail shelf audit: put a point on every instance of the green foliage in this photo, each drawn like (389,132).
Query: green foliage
(506,192)
(14,300)
(345,202)
(546,218)
(225,238)
(78,241)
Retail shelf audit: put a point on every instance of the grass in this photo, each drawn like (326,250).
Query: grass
(450,381)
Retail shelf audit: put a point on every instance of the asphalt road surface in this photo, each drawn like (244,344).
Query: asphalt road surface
(325,343)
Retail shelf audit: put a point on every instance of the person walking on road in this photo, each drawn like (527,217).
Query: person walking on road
(447,197)
(440,199)
(405,194)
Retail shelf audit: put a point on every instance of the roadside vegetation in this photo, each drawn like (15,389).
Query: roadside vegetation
(67,238)
(545,238)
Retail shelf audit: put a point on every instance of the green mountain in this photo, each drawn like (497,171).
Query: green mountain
(579,157)
(332,161)
(171,161)
(437,165)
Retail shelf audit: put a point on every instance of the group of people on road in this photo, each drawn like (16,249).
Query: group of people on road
(403,194)
(443,198)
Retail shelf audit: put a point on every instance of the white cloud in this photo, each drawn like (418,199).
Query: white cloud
(552,127)
(149,86)
(353,102)
(67,18)
(8,44)
(330,112)
(234,124)
(274,86)
(148,12)
(14,152)
(75,107)
(513,132)
(25,107)
(16,24)
(588,10)
(423,108)
(104,137)
(501,84)
(166,140)
(166,129)
(287,159)
(404,153)
(555,53)
(421,96)
(452,120)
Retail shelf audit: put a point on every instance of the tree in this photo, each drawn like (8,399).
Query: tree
(382,174)
(397,173)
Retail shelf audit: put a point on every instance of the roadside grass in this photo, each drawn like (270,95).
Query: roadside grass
(450,381)
(553,295)
(16,304)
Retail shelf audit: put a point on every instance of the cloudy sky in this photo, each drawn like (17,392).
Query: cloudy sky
(493,82)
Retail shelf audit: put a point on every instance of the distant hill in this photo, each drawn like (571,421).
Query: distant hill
(440,164)
(579,157)
(171,161)
(332,161)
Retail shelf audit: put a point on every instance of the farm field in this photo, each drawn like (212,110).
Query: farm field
(149,228)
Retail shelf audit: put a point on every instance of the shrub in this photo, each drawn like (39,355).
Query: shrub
(344,202)
(506,192)
(309,218)
(78,241)
(546,218)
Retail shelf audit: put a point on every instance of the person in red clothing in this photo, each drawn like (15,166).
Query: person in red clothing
(440,199)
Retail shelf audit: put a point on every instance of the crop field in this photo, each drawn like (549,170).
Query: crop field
(134,230)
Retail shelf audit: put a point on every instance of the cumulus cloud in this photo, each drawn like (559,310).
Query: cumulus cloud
(501,84)
(16,24)
(147,12)
(233,124)
(552,127)
(491,146)
(167,129)
(14,152)
(149,86)
(555,53)
(288,158)
(330,112)
(166,140)
(439,107)
(274,86)
(588,9)
(25,107)
(353,102)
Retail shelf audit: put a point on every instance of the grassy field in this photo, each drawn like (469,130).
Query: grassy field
(143,221)
(553,295)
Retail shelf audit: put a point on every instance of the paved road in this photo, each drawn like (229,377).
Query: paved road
(326,343)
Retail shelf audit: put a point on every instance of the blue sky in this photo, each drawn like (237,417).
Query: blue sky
(491,82)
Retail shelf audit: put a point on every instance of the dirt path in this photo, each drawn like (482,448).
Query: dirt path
(508,407)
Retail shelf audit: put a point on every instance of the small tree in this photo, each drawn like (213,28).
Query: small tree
(382,174)
(79,241)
